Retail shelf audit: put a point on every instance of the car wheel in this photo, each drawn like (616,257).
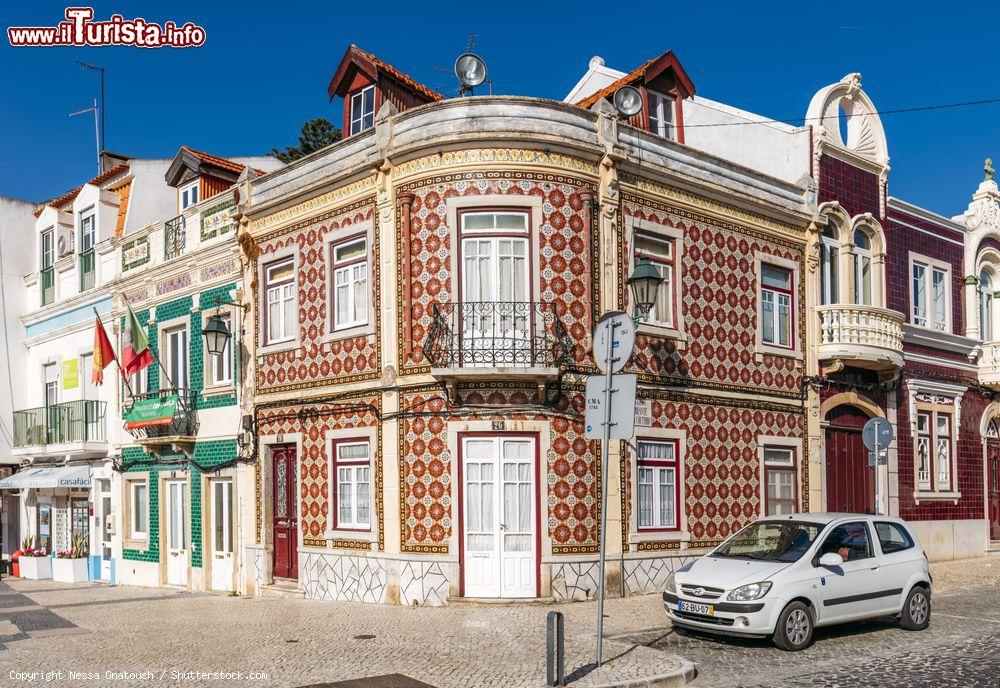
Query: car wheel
(794,630)
(916,614)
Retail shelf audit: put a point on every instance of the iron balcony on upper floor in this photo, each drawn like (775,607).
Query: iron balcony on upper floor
(72,427)
(496,340)
(162,420)
(860,336)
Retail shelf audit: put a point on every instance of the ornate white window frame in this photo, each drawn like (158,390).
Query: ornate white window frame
(941,394)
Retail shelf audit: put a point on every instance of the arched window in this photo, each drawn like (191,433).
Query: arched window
(985,306)
(829,262)
(862,269)
(991,429)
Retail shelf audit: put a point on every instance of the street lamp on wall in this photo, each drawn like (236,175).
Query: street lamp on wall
(217,335)
(216,332)
(644,282)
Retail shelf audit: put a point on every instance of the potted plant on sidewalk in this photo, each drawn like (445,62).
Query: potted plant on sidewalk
(71,566)
(34,563)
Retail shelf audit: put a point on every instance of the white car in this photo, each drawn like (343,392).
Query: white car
(782,576)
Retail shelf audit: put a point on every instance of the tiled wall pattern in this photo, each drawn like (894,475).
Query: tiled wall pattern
(342,577)
(722,489)
(314,361)
(563,256)
(209,453)
(314,464)
(571,478)
(857,190)
(901,241)
(719,307)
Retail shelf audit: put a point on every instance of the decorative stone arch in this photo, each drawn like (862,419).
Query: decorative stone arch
(845,228)
(865,135)
(838,218)
(863,403)
(990,413)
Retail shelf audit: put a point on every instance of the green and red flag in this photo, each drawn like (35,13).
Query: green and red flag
(103,353)
(136,354)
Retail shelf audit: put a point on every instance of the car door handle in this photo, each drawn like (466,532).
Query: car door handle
(875,568)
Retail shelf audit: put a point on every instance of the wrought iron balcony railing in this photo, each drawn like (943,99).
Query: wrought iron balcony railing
(166,413)
(174,237)
(71,421)
(496,335)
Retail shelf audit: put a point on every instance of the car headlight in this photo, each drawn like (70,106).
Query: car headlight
(671,585)
(754,591)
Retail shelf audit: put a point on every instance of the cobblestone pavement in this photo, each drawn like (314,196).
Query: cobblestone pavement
(47,626)
(281,642)
(959,649)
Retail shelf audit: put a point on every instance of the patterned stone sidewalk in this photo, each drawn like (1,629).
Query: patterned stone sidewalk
(170,635)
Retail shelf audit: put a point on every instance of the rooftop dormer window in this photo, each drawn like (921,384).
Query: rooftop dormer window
(188,194)
(363,109)
(661,115)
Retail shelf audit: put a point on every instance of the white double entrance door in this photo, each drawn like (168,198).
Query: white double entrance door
(176,532)
(499,516)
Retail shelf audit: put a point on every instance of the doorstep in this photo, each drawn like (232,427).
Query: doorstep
(501,600)
(283,588)
(993,549)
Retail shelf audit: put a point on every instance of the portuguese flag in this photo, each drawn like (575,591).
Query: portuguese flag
(103,353)
(136,354)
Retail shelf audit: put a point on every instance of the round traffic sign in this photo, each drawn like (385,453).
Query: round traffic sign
(877,428)
(614,339)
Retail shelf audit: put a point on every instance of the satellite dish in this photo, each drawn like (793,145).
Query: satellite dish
(62,247)
(470,70)
(628,101)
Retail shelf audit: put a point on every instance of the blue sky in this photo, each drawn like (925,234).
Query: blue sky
(265,66)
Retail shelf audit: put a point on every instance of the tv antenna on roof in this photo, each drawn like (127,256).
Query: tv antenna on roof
(97,135)
(103,142)
(470,69)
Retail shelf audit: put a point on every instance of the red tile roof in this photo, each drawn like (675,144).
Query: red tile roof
(647,71)
(352,55)
(68,197)
(215,160)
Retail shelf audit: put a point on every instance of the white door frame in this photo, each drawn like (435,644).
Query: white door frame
(535,520)
(177,558)
(222,559)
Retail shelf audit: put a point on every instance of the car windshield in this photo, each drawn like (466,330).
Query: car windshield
(784,541)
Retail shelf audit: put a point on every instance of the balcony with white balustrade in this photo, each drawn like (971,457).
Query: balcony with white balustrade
(860,336)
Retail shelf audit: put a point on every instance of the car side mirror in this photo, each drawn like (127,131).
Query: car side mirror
(831,560)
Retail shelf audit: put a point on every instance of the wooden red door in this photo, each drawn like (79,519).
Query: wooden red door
(993,486)
(850,483)
(284,508)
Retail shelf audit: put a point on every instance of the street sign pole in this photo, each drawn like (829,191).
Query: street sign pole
(606,461)
(614,340)
(877,434)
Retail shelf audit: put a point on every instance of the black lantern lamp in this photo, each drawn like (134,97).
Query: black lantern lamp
(216,333)
(644,282)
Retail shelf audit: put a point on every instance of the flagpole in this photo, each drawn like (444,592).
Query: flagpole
(156,356)
(117,362)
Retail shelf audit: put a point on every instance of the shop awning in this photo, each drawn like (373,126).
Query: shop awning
(65,476)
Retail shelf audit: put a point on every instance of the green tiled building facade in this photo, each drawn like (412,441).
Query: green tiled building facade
(206,454)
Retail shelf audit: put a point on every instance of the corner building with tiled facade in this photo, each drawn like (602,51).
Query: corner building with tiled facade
(422,297)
